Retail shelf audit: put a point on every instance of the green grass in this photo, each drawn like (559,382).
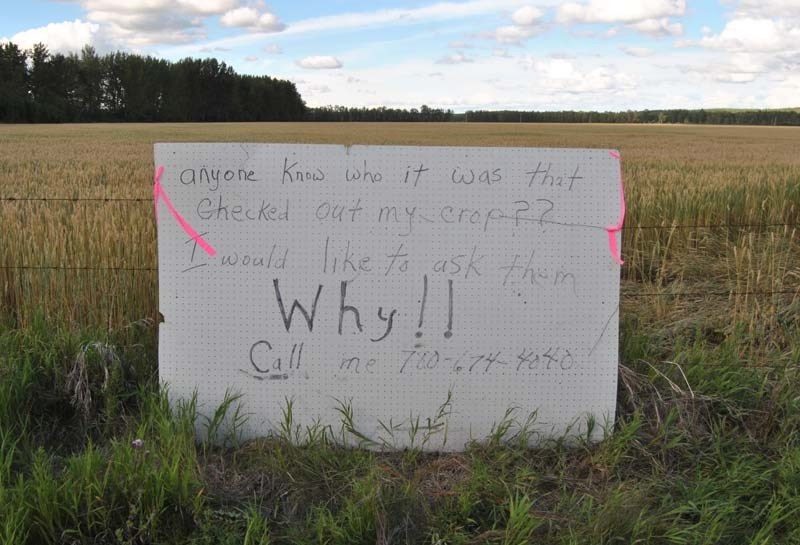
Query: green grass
(702,452)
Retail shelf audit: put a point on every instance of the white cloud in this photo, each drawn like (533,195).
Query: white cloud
(460,45)
(784,94)
(136,24)
(440,11)
(768,8)
(134,6)
(311,88)
(455,58)
(649,17)
(501,52)
(615,11)
(514,34)
(554,68)
(527,15)
(511,34)
(205,7)
(735,68)
(735,77)
(251,19)
(272,49)
(657,27)
(320,62)
(759,43)
(243,17)
(251,58)
(749,34)
(636,51)
(565,76)
(317,89)
(751,63)
(64,37)
(527,23)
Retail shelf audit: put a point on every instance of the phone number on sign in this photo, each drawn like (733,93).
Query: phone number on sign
(552,359)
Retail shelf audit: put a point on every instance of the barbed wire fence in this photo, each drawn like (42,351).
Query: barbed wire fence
(625,294)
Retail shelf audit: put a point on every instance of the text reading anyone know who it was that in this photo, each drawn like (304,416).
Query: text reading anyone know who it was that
(222,207)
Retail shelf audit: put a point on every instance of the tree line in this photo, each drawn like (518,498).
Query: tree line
(425,113)
(346,113)
(39,87)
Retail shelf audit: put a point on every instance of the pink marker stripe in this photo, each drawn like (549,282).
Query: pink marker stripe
(158,191)
(613,229)
(157,188)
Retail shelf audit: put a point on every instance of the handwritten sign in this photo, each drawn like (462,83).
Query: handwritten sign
(417,287)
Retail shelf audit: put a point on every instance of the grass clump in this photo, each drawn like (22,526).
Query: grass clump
(697,456)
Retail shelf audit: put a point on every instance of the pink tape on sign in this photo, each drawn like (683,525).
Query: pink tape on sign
(613,229)
(158,191)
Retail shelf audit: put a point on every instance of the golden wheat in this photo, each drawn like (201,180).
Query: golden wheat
(675,176)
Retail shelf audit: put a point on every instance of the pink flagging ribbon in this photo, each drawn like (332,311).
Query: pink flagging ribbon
(613,229)
(158,191)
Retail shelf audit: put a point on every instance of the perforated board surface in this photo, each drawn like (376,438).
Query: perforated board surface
(416,274)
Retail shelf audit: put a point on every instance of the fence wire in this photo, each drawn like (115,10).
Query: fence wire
(663,227)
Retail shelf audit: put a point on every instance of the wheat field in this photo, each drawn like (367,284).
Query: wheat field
(705,448)
(743,181)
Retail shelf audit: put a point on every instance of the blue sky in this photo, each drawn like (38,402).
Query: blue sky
(459,54)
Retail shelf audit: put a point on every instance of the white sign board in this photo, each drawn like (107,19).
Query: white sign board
(388,280)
